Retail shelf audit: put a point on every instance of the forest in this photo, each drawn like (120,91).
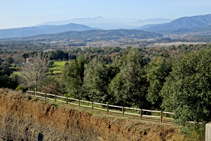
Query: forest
(175,78)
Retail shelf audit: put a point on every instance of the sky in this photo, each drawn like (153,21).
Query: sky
(22,13)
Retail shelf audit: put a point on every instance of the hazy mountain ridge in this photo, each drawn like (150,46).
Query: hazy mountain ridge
(96,35)
(112,23)
(45,29)
(183,25)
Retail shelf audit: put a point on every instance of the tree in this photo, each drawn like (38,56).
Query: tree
(157,71)
(33,73)
(9,60)
(51,85)
(96,80)
(73,76)
(6,79)
(187,90)
(129,86)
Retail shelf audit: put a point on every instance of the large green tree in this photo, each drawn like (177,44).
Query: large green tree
(97,76)
(73,76)
(129,86)
(187,90)
(157,71)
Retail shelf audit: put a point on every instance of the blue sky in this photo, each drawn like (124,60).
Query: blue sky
(20,13)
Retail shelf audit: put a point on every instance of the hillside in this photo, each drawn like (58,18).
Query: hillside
(45,29)
(181,24)
(25,118)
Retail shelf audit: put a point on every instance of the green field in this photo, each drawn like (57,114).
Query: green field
(58,65)
(56,68)
(16,72)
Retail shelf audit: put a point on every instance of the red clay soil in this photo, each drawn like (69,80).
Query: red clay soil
(23,118)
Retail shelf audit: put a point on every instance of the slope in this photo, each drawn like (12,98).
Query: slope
(45,29)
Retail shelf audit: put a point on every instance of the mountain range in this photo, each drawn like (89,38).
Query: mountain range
(194,24)
(93,35)
(44,29)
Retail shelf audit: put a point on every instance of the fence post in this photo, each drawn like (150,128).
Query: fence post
(123,111)
(35,92)
(107,108)
(66,101)
(92,105)
(55,97)
(161,116)
(141,114)
(45,95)
(79,103)
(208,131)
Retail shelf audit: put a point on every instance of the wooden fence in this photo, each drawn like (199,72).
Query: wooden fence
(104,107)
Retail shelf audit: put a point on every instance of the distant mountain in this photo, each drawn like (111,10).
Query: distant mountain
(92,35)
(112,23)
(45,29)
(184,23)
(76,20)
(194,31)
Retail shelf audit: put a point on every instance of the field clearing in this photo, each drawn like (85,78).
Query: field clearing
(58,65)
(16,72)
(56,68)
(56,72)
(175,43)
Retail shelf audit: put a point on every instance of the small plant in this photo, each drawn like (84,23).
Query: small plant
(88,112)
(44,101)
(27,97)
(194,133)
(36,99)
(137,123)
(19,88)
(54,104)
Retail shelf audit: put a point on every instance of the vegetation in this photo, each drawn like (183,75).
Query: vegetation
(175,78)
(33,73)
(73,77)
(187,89)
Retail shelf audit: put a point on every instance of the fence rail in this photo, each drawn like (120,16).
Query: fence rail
(104,107)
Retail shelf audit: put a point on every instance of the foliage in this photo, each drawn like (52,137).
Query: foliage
(129,86)
(51,85)
(73,76)
(51,63)
(19,88)
(4,68)
(6,80)
(33,73)
(157,71)
(96,80)
(193,132)
(187,90)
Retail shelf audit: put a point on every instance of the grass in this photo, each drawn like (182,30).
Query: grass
(192,133)
(16,72)
(58,65)
(57,72)
(113,112)
(56,68)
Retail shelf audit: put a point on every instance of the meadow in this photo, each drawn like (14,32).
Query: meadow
(56,68)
